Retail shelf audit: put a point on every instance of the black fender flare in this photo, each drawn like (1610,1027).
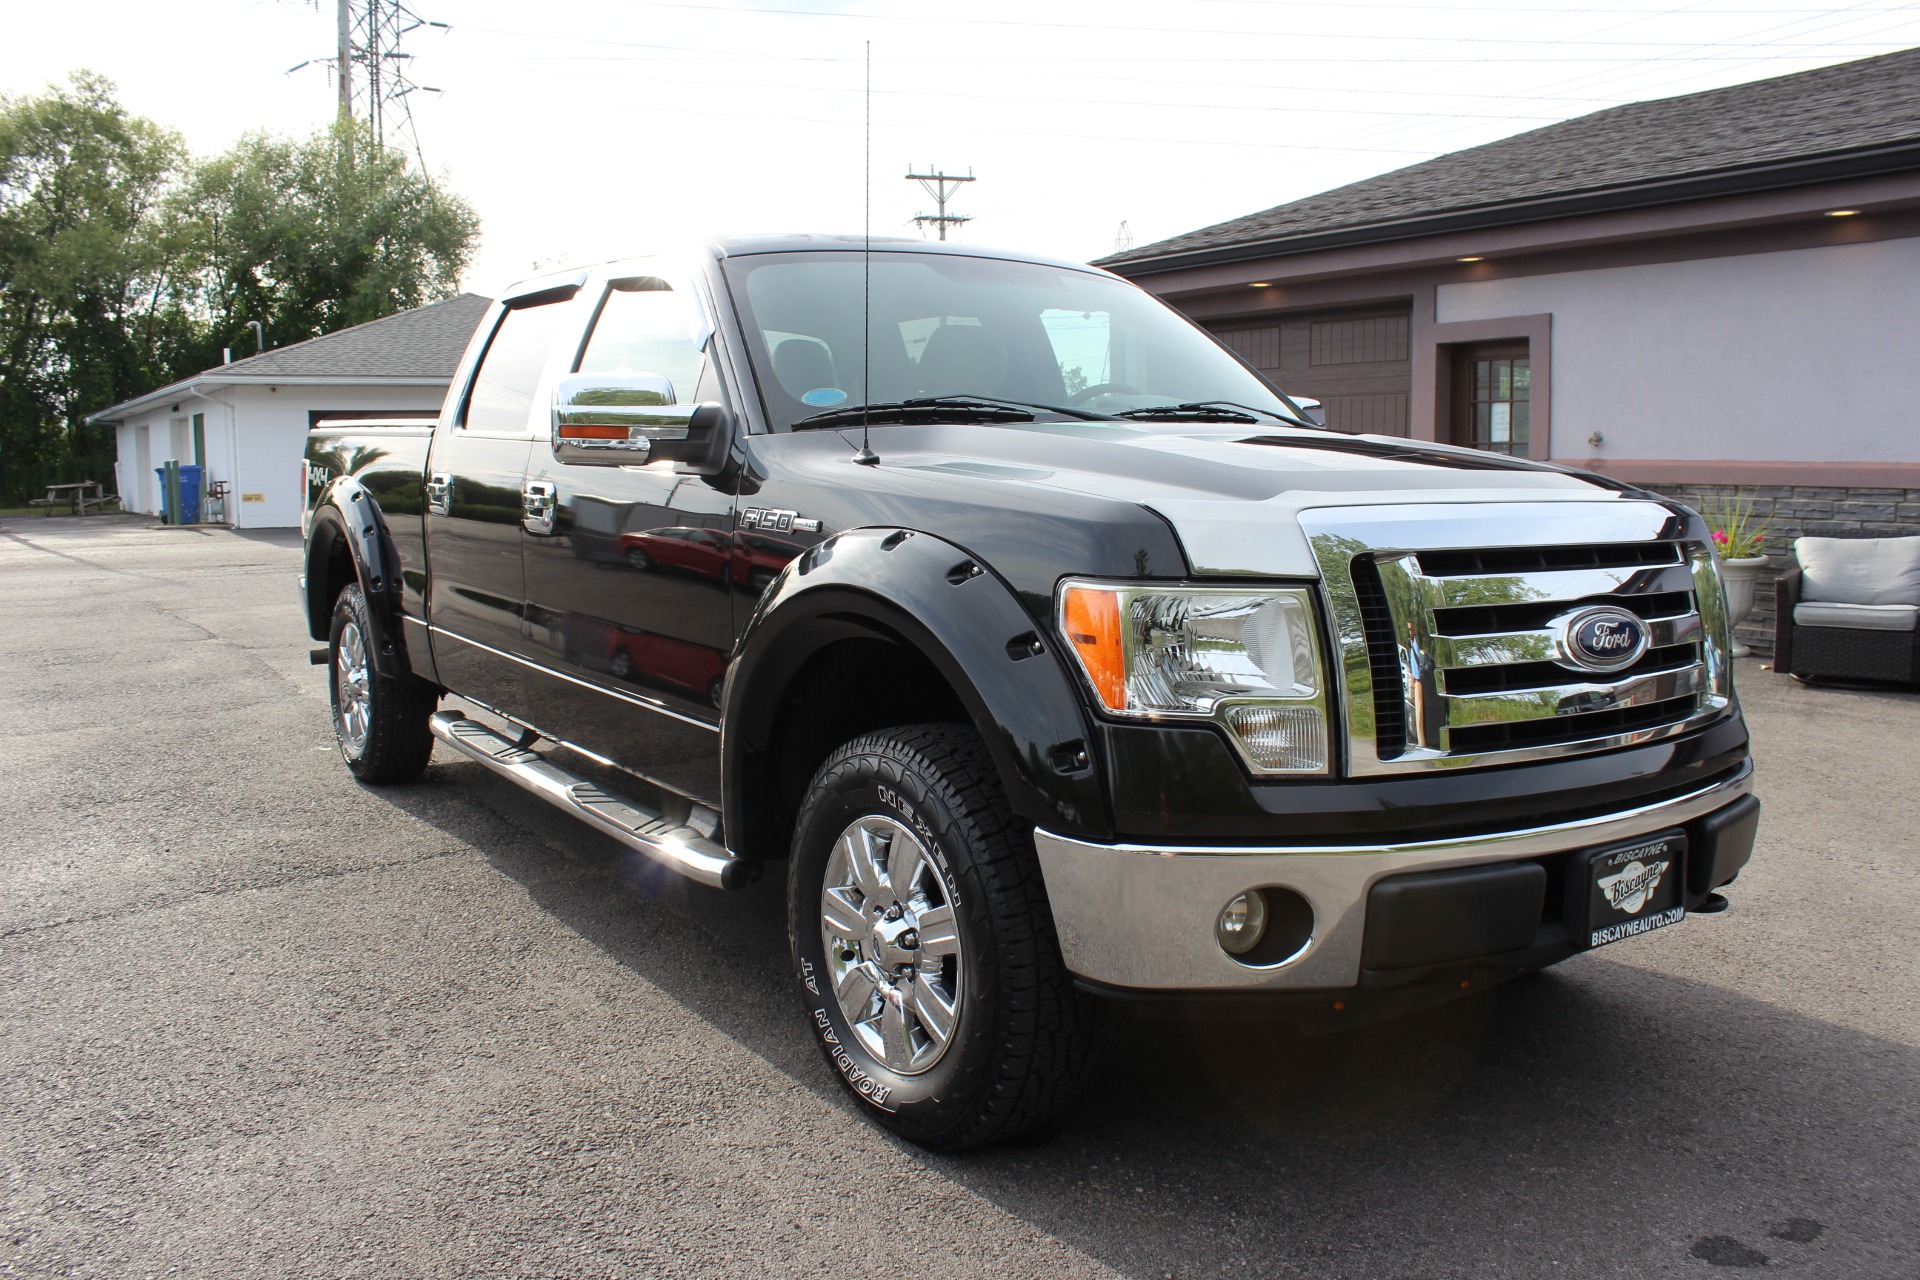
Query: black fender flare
(346,513)
(921,591)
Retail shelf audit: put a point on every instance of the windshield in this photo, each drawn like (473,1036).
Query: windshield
(947,325)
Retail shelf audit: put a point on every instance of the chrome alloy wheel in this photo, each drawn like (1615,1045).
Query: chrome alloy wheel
(892,944)
(351,703)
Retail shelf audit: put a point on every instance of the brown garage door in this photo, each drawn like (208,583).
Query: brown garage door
(1353,362)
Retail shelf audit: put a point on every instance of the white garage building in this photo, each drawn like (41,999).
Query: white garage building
(245,423)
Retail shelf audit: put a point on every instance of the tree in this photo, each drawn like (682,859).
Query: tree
(124,267)
(86,314)
(312,236)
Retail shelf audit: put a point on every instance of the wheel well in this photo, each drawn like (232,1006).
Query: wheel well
(850,687)
(329,571)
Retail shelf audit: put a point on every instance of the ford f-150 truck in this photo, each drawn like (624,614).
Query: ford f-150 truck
(1047,647)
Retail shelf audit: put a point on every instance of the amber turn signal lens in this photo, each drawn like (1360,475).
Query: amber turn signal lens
(1092,620)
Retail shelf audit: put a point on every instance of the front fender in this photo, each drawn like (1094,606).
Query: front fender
(931,595)
(347,516)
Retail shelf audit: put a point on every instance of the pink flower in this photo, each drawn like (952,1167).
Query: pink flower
(1720,537)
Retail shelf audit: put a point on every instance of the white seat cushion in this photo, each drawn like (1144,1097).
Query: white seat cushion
(1859,570)
(1860,617)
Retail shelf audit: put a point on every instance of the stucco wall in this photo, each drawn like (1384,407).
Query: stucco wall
(1803,355)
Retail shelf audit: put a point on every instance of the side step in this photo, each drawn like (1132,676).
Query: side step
(632,824)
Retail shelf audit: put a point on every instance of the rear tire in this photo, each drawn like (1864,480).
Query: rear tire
(379,721)
(950,1017)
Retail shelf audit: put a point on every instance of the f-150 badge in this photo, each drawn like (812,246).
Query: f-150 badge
(776,520)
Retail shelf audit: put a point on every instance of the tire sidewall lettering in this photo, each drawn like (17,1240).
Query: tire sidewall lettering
(869,1080)
(909,816)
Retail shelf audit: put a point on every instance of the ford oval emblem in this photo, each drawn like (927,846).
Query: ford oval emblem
(1606,638)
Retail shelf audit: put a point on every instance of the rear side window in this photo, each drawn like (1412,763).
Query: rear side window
(501,402)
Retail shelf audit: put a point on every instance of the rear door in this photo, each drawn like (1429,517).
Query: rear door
(476,587)
(628,570)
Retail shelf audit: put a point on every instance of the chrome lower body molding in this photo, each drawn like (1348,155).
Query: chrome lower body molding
(679,848)
(1142,916)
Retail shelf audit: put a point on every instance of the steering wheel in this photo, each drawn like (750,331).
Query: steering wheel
(1099,389)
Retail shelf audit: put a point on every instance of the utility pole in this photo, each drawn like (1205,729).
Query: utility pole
(941,187)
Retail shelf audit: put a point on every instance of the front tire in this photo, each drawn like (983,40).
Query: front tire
(380,722)
(924,944)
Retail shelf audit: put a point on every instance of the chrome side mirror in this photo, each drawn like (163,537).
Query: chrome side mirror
(615,420)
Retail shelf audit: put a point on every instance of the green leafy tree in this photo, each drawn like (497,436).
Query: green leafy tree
(124,266)
(311,236)
(87,313)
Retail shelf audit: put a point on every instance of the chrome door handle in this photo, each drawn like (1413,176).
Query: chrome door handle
(439,489)
(537,506)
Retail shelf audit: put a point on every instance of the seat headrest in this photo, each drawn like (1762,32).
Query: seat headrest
(802,365)
(963,359)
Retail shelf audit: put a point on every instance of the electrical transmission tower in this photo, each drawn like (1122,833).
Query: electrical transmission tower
(941,187)
(369,68)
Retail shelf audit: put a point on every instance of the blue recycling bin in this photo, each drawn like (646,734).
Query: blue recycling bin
(189,494)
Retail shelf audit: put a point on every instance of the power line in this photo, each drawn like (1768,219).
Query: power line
(730,10)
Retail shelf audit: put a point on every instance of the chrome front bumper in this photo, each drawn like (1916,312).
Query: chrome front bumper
(1142,916)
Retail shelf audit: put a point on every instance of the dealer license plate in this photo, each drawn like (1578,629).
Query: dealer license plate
(1634,889)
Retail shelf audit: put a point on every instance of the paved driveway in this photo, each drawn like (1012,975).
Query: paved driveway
(257,1021)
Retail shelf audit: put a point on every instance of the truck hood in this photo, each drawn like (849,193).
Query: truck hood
(1232,494)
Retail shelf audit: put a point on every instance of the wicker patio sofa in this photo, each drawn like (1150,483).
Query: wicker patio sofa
(1849,609)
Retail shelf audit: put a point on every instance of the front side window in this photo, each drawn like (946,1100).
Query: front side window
(645,325)
(501,402)
(953,325)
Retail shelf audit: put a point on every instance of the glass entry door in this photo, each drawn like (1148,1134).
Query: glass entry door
(1492,398)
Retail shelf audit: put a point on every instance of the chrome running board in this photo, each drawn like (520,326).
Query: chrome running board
(632,824)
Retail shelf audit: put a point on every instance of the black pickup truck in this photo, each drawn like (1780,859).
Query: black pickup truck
(1049,648)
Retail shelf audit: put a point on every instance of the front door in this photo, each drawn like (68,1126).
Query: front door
(629,567)
(1492,398)
(477,588)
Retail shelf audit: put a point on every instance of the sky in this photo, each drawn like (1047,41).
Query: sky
(582,130)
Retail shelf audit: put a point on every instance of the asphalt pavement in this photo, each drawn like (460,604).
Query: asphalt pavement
(258,1021)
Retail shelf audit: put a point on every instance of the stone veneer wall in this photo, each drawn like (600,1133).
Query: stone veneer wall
(1794,510)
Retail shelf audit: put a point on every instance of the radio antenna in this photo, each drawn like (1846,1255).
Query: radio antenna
(867,457)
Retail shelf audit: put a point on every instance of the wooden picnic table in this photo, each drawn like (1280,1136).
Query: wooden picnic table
(79,496)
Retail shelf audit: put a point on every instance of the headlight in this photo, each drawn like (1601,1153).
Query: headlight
(1245,659)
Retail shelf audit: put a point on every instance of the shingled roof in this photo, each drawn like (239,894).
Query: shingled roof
(425,342)
(1849,120)
(419,346)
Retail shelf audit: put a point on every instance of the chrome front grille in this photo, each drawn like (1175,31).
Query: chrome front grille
(1452,626)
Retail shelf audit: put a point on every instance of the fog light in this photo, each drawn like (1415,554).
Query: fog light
(1281,739)
(1242,922)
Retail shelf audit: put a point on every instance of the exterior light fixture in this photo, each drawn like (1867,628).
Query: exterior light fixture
(1842,213)
(1471,258)
(1261,284)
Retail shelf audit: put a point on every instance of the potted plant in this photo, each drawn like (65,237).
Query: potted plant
(1741,542)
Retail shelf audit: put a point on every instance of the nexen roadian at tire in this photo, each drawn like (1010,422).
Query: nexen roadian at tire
(924,945)
(379,721)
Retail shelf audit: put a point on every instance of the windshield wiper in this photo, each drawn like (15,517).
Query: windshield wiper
(1208,411)
(942,409)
